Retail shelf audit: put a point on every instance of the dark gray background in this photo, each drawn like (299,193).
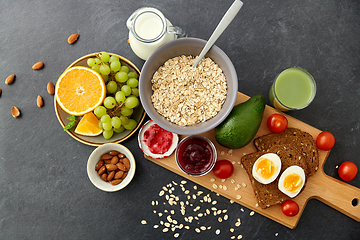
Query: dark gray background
(44,189)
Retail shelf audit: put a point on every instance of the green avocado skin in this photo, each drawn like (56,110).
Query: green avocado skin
(242,124)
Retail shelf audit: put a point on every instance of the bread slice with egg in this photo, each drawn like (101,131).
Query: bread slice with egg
(302,140)
(269,194)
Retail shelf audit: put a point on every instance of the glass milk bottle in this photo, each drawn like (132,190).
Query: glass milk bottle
(148,30)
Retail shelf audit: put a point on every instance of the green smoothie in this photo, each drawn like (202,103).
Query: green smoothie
(294,88)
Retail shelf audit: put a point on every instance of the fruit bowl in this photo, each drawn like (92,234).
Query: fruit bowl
(96,156)
(187,47)
(138,114)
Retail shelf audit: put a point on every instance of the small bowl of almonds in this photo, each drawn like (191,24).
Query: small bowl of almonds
(111,167)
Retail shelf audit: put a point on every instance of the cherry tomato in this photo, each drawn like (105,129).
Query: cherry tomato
(347,171)
(223,169)
(290,208)
(277,123)
(325,141)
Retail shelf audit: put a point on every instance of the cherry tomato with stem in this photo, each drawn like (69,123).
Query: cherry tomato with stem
(223,169)
(290,208)
(277,123)
(325,141)
(347,171)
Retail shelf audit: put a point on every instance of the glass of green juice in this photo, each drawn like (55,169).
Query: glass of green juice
(293,89)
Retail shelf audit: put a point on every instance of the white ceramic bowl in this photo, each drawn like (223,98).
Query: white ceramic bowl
(139,113)
(193,47)
(96,156)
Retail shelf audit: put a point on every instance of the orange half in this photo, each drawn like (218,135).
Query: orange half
(88,125)
(79,90)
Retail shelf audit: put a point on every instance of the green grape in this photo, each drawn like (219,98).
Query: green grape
(133,75)
(105,77)
(105,57)
(126,111)
(124,69)
(135,92)
(109,102)
(105,118)
(97,61)
(115,66)
(131,102)
(104,69)
(91,62)
(111,87)
(108,134)
(124,120)
(96,68)
(100,125)
(107,126)
(121,77)
(126,89)
(120,129)
(114,58)
(116,122)
(133,82)
(120,96)
(131,125)
(100,111)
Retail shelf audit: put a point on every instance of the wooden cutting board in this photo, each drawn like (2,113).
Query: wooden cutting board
(331,191)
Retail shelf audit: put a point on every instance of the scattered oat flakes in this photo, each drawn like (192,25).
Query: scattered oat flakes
(143,222)
(165,230)
(232,230)
(217,231)
(239,237)
(252,213)
(197,230)
(276,234)
(176,235)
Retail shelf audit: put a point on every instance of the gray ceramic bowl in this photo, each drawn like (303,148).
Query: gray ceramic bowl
(187,46)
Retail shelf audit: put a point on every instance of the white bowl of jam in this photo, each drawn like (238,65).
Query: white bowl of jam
(155,141)
(195,155)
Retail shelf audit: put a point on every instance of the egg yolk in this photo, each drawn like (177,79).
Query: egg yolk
(265,168)
(292,182)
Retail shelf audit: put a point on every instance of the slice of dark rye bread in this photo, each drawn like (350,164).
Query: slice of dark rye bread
(303,141)
(269,194)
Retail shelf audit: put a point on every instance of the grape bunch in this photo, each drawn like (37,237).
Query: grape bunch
(121,97)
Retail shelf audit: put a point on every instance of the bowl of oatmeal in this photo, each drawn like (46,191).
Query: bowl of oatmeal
(183,99)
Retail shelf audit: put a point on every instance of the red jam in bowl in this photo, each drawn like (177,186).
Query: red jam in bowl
(158,140)
(196,155)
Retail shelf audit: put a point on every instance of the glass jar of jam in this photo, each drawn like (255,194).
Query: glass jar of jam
(195,155)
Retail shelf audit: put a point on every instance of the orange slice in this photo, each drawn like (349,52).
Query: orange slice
(88,125)
(80,90)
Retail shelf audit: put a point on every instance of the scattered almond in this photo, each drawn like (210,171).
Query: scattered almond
(39,101)
(15,112)
(50,88)
(38,65)
(10,79)
(73,38)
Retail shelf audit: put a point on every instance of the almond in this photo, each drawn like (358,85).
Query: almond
(111,167)
(102,170)
(118,174)
(10,79)
(50,88)
(121,166)
(106,156)
(99,165)
(114,160)
(116,182)
(126,163)
(104,176)
(38,65)
(111,176)
(39,101)
(15,112)
(73,38)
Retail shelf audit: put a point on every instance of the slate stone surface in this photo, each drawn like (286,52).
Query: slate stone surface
(44,189)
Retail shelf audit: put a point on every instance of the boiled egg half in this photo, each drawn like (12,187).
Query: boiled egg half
(266,168)
(292,180)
